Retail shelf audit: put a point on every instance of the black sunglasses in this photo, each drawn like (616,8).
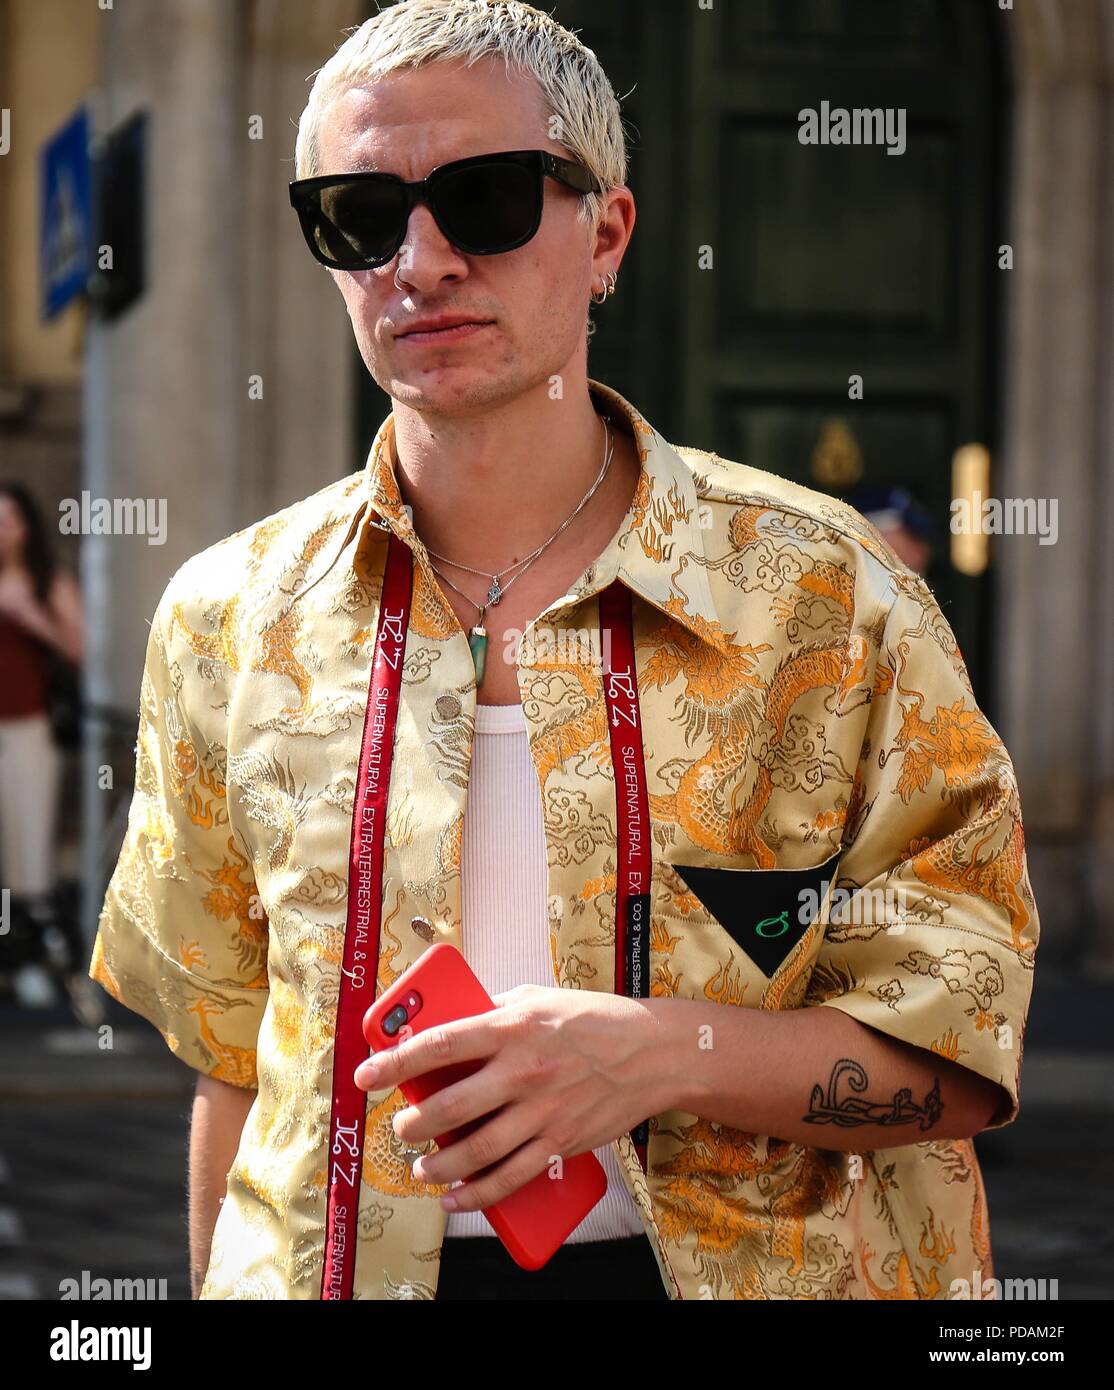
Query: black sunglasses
(484,205)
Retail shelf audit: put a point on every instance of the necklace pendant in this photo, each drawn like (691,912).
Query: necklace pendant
(477,643)
(495,593)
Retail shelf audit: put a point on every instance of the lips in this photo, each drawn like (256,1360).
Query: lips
(444,329)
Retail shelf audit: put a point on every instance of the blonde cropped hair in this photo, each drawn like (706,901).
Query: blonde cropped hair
(579,99)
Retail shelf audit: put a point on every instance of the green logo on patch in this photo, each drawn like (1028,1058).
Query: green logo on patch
(780,925)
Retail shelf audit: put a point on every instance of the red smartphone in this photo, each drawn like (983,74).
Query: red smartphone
(440,987)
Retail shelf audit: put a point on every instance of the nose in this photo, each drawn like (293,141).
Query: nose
(426,257)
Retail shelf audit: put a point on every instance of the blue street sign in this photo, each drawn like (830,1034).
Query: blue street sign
(66,229)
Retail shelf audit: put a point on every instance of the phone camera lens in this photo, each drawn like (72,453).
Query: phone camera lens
(394,1020)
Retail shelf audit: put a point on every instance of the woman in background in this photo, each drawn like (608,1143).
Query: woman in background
(40,621)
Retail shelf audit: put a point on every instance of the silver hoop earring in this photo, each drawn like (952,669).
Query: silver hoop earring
(607,289)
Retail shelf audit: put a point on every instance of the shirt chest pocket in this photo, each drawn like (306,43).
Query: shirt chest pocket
(762,915)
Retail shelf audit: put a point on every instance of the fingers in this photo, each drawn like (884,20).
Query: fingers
(469,1099)
(519,1168)
(464,1039)
(485,1145)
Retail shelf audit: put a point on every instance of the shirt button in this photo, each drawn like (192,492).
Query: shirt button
(424,928)
(448,706)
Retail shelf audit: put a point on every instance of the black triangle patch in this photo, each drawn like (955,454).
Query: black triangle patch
(766,911)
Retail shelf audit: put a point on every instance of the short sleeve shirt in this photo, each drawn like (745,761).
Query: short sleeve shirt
(834,823)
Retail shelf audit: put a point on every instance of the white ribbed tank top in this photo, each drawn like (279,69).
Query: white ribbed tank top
(505,918)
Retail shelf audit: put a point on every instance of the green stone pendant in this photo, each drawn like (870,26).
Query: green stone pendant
(477,642)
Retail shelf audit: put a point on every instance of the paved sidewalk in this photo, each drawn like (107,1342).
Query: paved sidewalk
(92,1154)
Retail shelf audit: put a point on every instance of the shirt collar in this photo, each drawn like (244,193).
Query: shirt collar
(658,552)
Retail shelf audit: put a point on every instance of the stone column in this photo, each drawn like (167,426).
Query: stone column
(232,295)
(1056,603)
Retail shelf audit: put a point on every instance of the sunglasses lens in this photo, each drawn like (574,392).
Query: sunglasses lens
(354,225)
(483,209)
(487,208)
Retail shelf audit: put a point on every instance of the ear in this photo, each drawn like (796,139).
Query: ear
(613,229)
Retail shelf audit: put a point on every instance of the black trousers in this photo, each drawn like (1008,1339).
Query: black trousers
(478,1267)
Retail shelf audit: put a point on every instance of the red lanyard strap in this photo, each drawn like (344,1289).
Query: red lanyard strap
(632,803)
(360,965)
(361,937)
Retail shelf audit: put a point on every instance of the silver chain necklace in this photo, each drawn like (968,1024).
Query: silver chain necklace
(477,636)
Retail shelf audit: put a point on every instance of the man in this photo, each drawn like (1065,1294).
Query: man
(832,946)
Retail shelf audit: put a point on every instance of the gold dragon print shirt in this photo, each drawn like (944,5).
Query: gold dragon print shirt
(809,727)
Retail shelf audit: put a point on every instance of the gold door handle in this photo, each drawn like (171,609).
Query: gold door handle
(970,547)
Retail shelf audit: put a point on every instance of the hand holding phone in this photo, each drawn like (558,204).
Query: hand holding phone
(440,987)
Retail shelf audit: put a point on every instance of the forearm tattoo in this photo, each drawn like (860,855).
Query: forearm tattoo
(849,1110)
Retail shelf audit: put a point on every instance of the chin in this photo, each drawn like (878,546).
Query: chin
(451,386)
